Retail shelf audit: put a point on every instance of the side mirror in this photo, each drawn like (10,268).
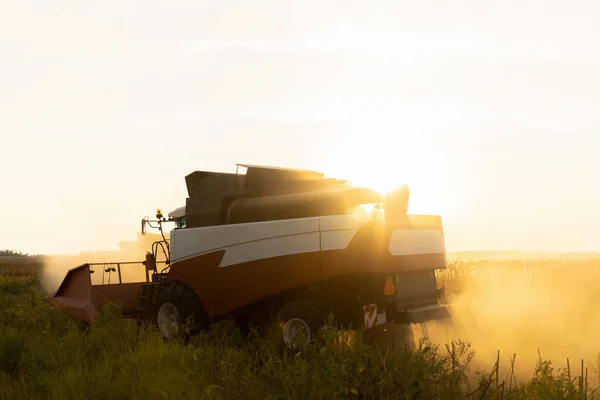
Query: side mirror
(143,226)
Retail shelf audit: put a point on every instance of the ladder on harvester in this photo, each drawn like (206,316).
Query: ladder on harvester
(147,291)
(144,300)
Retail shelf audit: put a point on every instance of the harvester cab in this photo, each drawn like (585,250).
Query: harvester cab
(283,247)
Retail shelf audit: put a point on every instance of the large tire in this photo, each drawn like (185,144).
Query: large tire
(300,322)
(179,313)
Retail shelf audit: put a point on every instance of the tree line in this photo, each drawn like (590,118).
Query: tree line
(13,253)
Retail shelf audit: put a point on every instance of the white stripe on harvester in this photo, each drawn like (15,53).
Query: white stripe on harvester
(255,241)
(268,248)
(190,242)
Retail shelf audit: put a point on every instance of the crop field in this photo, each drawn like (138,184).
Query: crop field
(28,268)
(523,330)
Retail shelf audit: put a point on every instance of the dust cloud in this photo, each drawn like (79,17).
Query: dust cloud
(548,311)
(56,267)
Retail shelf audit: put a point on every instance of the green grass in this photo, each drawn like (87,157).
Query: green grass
(45,354)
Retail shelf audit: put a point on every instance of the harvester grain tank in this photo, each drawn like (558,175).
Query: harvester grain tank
(278,246)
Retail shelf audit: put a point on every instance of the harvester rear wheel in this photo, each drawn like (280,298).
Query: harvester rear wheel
(299,322)
(179,313)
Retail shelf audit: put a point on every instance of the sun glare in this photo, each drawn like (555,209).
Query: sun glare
(385,169)
(381,181)
(383,149)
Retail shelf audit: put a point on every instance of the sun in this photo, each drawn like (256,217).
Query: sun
(385,166)
(381,182)
(374,174)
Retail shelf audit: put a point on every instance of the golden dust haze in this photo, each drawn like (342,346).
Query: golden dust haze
(56,267)
(537,305)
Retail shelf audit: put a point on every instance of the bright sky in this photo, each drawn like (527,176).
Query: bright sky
(487,110)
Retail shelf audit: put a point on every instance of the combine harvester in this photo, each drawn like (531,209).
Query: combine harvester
(276,247)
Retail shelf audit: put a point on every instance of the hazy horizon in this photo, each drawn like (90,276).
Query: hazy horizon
(487,111)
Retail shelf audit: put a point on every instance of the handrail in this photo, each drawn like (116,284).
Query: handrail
(123,263)
(118,269)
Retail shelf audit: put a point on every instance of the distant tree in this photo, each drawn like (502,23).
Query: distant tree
(12,253)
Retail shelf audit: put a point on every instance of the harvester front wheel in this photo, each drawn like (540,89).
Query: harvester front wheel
(179,312)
